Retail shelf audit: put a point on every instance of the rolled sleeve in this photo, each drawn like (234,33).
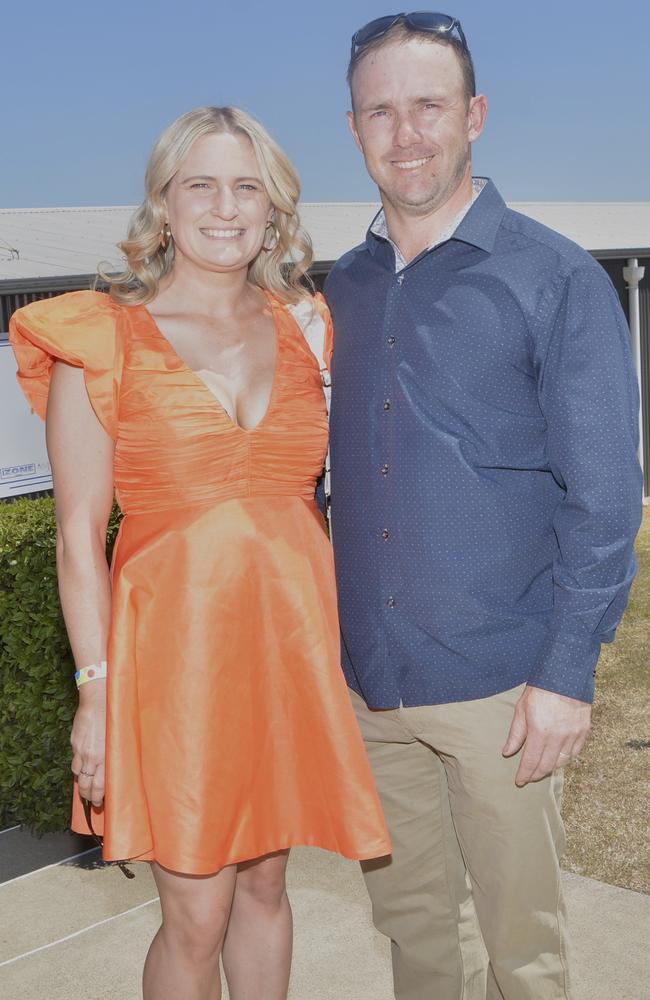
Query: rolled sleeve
(588,394)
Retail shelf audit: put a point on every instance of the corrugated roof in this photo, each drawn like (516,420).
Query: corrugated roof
(45,242)
(59,241)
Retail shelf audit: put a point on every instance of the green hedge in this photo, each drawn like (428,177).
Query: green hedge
(37,690)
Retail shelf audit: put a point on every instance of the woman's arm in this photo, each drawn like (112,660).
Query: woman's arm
(81,455)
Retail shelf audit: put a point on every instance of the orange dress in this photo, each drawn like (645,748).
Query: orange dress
(230,733)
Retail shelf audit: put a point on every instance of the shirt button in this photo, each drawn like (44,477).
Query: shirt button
(387,404)
(385,469)
(400,279)
(391,602)
(391,341)
(385,534)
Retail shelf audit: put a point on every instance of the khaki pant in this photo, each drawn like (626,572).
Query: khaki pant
(453,808)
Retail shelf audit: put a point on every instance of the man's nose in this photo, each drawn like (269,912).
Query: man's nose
(406,132)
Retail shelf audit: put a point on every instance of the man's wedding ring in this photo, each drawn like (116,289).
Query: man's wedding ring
(87,773)
(561,754)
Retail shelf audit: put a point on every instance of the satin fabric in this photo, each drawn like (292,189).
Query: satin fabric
(230,732)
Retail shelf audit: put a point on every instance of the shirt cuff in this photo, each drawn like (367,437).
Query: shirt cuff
(567,665)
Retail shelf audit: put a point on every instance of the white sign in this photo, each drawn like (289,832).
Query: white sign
(24,467)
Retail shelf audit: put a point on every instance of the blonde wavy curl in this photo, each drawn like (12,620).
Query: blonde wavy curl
(281,270)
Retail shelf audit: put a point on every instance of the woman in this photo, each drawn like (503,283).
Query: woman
(229,733)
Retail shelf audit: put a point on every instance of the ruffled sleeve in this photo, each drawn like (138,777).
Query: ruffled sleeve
(79,328)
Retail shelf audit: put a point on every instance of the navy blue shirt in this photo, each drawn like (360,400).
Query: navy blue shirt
(486,490)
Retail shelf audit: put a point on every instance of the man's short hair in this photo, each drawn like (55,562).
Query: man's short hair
(401,31)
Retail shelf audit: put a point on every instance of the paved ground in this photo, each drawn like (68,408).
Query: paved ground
(20,852)
(79,931)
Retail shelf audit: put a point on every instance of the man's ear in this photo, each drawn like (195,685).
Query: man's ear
(478,108)
(353,129)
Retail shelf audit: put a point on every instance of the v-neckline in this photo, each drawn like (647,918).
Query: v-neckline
(218,405)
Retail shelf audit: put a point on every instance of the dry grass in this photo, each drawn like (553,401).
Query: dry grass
(606,796)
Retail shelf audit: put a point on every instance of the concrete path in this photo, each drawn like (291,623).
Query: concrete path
(79,931)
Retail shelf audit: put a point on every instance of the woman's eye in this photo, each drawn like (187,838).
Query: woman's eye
(200,185)
(248,187)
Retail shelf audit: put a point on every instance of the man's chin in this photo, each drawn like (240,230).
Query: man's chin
(414,204)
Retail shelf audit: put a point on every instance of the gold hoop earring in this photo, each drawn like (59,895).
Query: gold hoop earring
(276,231)
(165,236)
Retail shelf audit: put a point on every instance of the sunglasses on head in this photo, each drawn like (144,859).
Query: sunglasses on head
(418,20)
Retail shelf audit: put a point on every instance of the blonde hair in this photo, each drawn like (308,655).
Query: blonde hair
(279,270)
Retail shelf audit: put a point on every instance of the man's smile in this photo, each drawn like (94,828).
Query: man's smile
(411,164)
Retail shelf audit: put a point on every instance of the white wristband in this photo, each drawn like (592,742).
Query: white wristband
(93,672)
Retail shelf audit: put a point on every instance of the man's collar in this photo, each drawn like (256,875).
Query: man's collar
(478,227)
(481,224)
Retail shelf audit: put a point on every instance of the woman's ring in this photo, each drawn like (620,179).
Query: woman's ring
(561,754)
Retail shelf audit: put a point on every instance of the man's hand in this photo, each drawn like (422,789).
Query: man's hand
(551,728)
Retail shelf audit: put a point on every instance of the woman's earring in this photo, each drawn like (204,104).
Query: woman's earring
(276,235)
(165,236)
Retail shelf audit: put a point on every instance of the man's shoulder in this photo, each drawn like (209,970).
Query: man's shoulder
(529,233)
(355,257)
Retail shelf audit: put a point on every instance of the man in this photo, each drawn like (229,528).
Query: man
(486,496)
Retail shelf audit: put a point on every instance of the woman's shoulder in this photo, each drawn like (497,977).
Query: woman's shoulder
(320,302)
(69,308)
(312,315)
(323,310)
(78,328)
(307,307)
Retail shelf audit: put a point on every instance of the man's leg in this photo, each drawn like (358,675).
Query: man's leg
(512,840)
(420,897)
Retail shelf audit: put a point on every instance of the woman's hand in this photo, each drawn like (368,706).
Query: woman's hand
(88,741)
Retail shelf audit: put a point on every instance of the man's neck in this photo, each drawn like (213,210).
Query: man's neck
(413,233)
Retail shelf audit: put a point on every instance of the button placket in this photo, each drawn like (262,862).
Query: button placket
(385,402)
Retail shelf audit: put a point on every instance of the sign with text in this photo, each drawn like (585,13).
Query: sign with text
(24,467)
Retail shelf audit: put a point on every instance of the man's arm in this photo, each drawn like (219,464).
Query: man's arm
(588,394)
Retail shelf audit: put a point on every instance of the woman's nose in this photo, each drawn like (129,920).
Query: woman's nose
(225,204)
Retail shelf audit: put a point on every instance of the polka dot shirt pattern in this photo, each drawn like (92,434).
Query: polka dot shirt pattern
(486,491)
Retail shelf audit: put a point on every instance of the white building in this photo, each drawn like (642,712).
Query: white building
(47,251)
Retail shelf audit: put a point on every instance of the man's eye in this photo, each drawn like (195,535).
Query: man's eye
(378,114)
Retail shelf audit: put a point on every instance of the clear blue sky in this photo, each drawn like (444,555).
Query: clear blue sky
(86,88)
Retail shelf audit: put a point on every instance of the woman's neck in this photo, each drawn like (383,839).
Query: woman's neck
(211,293)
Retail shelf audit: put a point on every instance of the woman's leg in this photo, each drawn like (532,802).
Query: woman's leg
(183,960)
(257,951)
